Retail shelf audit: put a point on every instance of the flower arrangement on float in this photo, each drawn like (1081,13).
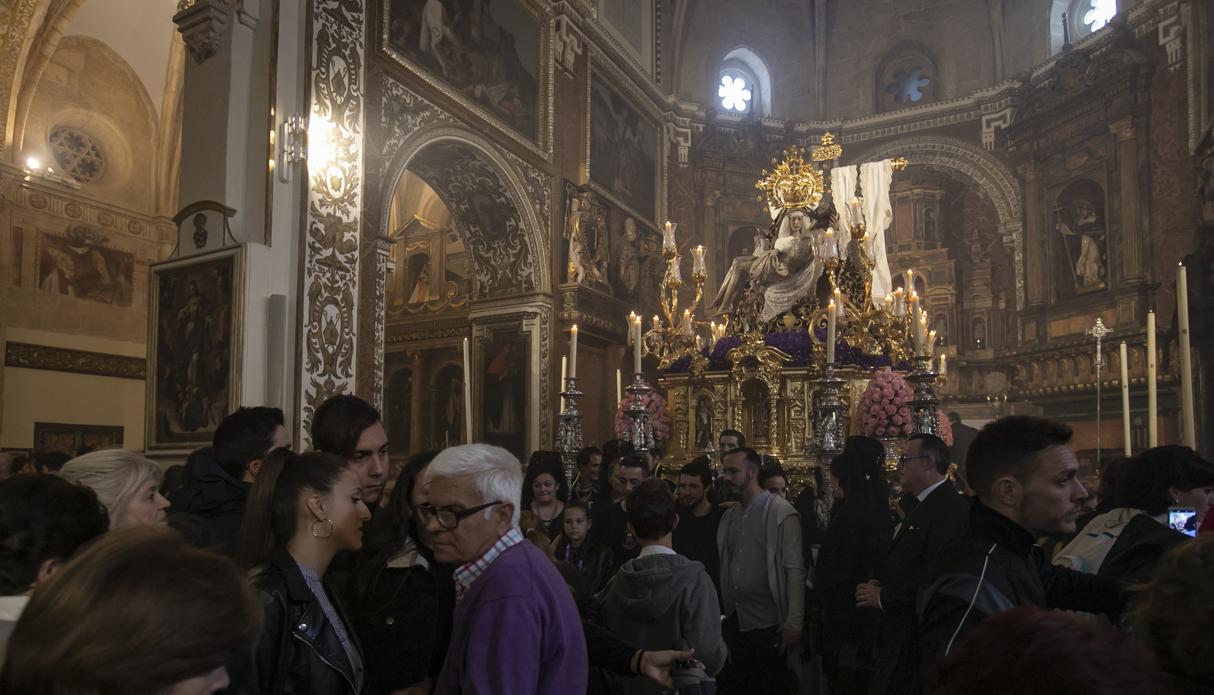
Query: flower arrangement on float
(659,414)
(884,410)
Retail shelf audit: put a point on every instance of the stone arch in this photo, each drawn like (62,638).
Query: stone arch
(970,162)
(454,161)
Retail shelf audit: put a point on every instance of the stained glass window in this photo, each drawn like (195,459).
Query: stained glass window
(735,92)
(77,154)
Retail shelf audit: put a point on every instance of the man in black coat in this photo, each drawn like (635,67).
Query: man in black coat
(1027,486)
(937,518)
(218,484)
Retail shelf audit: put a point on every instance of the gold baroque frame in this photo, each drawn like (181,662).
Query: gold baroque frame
(545,18)
(235,348)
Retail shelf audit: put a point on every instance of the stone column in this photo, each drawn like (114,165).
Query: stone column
(1133,234)
(416,422)
(1036,272)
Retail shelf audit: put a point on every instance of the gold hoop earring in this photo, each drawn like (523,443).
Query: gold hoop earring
(327,533)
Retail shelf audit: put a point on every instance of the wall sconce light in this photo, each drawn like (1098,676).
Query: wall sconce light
(34,167)
(292,146)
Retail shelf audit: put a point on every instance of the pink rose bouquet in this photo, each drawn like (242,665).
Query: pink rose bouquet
(884,409)
(658,412)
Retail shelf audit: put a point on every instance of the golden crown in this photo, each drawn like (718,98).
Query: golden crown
(829,149)
(794,184)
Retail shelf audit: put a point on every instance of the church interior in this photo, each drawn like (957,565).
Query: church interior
(206,204)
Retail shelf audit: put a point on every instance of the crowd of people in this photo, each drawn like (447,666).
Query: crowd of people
(254,569)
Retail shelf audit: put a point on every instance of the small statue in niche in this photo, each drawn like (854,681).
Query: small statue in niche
(582,224)
(703,424)
(653,269)
(200,231)
(1080,227)
(628,263)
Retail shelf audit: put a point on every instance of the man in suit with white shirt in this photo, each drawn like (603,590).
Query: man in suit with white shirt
(938,517)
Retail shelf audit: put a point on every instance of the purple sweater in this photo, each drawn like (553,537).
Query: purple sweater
(516,632)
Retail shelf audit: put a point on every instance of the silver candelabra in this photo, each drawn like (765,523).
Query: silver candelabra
(640,426)
(925,407)
(569,430)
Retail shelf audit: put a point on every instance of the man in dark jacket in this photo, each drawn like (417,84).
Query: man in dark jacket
(1025,479)
(937,518)
(218,484)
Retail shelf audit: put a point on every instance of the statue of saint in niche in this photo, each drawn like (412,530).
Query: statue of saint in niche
(1081,237)
(628,263)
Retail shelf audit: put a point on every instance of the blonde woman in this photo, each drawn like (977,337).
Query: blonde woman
(126,483)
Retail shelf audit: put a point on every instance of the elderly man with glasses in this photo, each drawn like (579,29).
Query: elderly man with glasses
(938,516)
(516,628)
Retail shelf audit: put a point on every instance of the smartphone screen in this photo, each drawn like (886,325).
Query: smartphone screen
(1183,519)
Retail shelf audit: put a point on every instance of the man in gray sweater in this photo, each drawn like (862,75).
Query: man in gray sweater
(660,599)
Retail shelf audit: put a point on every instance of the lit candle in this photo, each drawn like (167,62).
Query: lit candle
(910,279)
(943,364)
(564,376)
(831,313)
(828,244)
(1188,434)
(636,347)
(854,204)
(572,354)
(899,302)
(676,275)
(931,342)
(889,303)
(1152,401)
(656,324)
(687,329)
(467,393)
(697,261)
(1125,401)
(918,327)
(668,243)
(619,390)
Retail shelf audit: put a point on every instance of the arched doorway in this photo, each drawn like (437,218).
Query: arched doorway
(468,258)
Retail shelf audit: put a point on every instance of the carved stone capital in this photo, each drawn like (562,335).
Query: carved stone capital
(202,24)
(1124,129)
(567,44)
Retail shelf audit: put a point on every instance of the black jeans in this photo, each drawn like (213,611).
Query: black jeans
(756,664)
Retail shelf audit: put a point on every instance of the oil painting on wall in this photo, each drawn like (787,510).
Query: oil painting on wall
(1081,254)
(196,327)
(505,391)
(623,151)
(81,264)
(486,51)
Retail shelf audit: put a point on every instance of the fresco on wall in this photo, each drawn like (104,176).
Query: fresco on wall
(487,51)
(505,391)
(81,264)
(623,151)
(1081,258)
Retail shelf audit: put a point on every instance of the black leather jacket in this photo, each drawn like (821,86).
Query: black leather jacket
(995,566)
(298,651)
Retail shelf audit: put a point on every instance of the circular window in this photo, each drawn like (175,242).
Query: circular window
(77,154)
(735,92)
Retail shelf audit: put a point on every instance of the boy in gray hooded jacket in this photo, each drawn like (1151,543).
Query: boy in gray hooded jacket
(660,599)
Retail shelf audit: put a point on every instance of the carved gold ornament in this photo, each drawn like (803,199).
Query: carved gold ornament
(794,184)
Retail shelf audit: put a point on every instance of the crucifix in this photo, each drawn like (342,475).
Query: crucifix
(1098,332)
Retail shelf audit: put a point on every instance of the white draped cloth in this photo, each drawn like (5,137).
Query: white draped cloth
(843,189)
(875,178)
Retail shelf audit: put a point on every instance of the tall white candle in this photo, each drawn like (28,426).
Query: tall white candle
(1188,432)
(467,393)
(697,261)
(619,387)
(1152,401)
(564,375)
(636,346)
(668,242)
(572,354)
(831,313)
(943,364)
(1125,401)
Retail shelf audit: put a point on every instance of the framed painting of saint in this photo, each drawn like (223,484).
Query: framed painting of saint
(623,152)
(193,348)
(489,56)
(504,380)
(1081,259)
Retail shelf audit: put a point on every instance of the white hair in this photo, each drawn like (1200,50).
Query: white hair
(495,473)
(116,475)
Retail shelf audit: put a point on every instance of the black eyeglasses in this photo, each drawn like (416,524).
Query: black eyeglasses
(449,518)
(903,459)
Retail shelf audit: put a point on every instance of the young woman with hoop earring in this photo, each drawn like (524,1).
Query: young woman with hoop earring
(303,509)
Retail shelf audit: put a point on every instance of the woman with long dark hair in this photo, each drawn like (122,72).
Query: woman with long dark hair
(303,509)
(403,600)
(853,548)
(545,491)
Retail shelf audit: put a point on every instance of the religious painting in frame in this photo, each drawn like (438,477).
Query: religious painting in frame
(623,152)
(492,57)
(194,347)
(1081,258)
(504,379)
(69,438)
